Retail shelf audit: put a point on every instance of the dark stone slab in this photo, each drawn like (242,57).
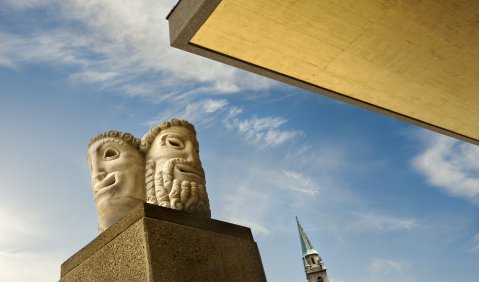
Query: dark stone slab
(153,243)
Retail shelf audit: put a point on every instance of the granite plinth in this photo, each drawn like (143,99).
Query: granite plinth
(153,243)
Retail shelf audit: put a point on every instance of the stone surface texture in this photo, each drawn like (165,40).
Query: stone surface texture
(117,169)
(153,243)
(174,175)
(122,259)
(163,168)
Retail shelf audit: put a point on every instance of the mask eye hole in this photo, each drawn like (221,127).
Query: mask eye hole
(174,142)
(111,154)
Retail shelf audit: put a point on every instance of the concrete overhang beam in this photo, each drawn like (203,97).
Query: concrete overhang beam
(417,61)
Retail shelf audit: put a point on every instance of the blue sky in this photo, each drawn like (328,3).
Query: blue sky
(381,200)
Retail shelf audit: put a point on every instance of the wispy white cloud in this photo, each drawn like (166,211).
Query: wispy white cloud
(8,44)
(30,266)
(200,112)
(372,220)
(288,180)
(473,245)
(250,207)
(323,157)
(263,132)
(95,76)
(18,230)
(26,4)
(348,223)
(390,270)
(212,106)
(450,165)
(57,47)
(262,194)
(113,43)
(296,181)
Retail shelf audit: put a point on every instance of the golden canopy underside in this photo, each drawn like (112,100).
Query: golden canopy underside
(413,60)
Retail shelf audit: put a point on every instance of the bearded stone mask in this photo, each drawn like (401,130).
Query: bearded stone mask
(174,175)
(117,169)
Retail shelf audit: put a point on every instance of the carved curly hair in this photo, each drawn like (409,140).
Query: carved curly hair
(124,136)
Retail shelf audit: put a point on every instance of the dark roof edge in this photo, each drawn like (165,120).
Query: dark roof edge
(176,5)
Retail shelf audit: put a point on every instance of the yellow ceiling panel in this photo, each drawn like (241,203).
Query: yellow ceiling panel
(413,60)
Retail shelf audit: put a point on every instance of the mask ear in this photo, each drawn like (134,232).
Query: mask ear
(163,139)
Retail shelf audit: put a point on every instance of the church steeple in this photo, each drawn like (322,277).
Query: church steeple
(313,264)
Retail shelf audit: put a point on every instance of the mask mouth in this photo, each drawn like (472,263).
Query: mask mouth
(187,169)
(108,182)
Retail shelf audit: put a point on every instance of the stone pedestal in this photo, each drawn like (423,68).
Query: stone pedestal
(157,244)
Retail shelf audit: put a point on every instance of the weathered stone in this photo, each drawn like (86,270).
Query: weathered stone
(157,244)
(174,175)
(163,168)
(117,175)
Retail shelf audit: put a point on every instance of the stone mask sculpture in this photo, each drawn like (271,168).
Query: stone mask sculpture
(117,169)
(174,175)
(163,168)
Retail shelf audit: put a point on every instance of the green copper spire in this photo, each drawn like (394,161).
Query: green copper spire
(306,245)
(313,264)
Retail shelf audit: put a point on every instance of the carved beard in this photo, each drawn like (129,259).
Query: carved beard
(166,191)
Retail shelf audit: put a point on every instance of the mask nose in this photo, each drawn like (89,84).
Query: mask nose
(192,155)
(99,177)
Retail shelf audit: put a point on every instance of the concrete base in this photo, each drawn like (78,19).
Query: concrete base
(156,244)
